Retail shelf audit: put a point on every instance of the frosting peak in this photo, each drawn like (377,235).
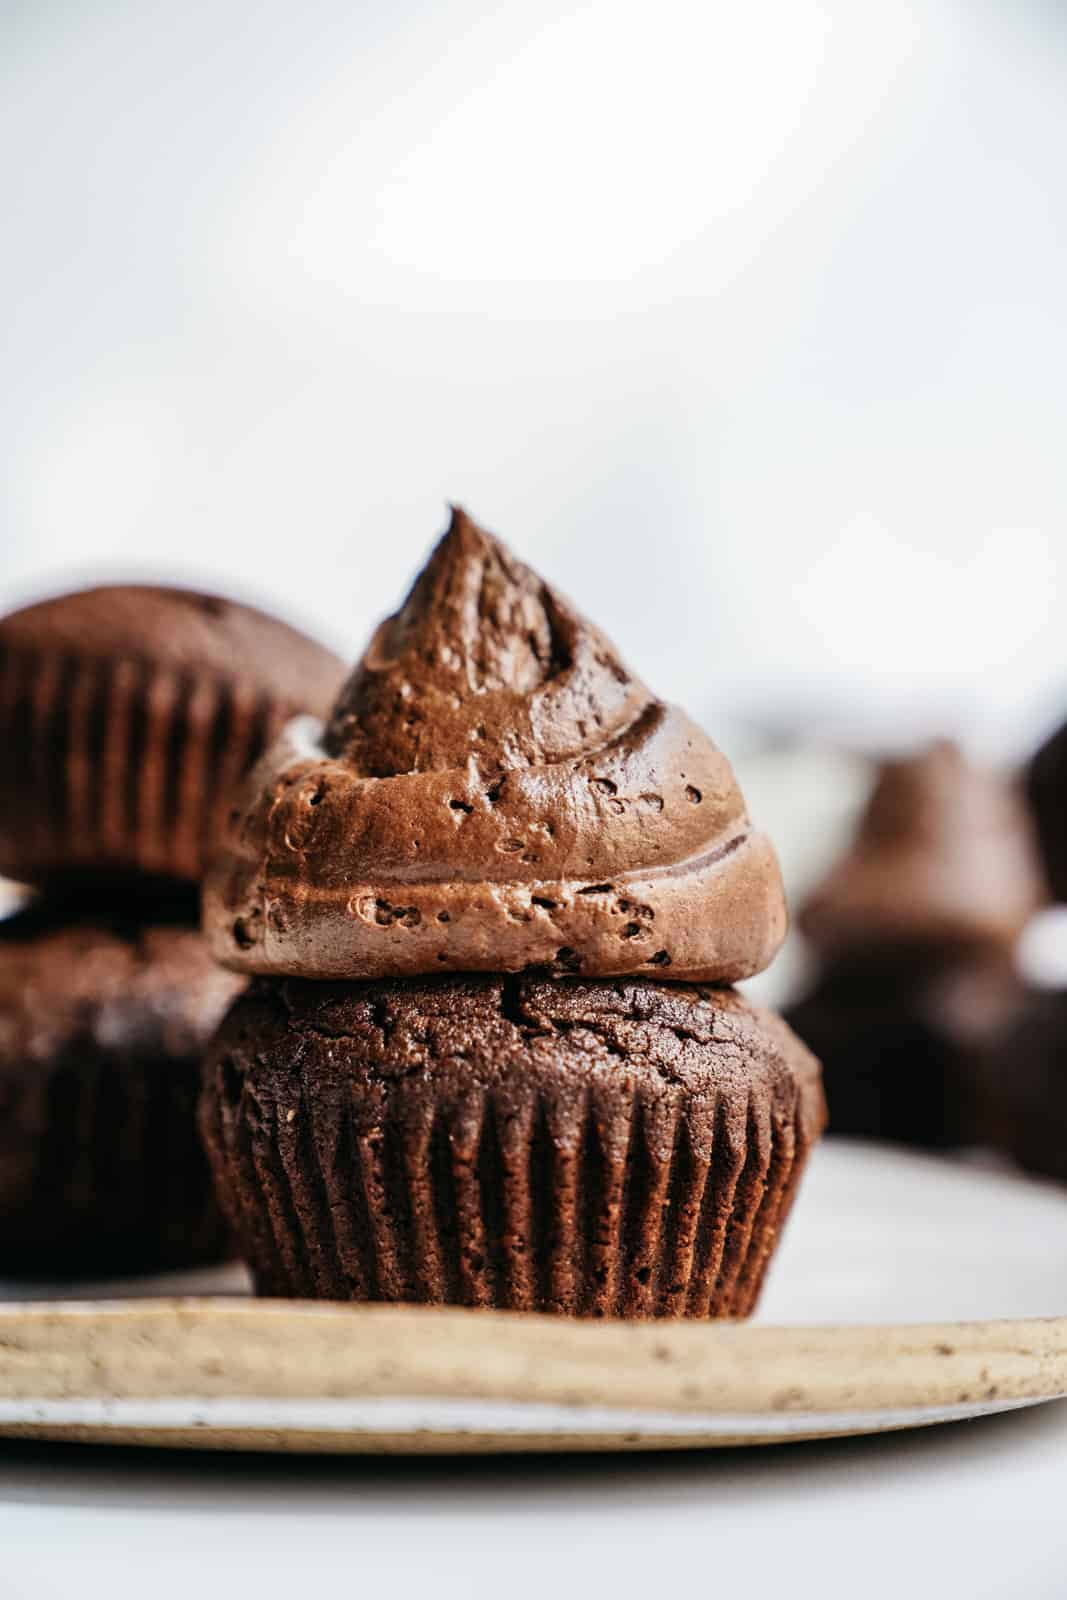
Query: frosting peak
(494,791)
(482,662)
(943,855)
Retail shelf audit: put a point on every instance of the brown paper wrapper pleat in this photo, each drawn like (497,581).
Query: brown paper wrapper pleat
(618,1198)
(101,1166)
(120,765)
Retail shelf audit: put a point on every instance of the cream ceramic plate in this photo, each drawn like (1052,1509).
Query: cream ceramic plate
(907,1291)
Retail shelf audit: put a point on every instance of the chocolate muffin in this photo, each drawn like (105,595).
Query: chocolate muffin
(914,930)
(626,1148)
(434,1091)
(901,1043)
(1046,792)
(1025,1084)
(128,716)
(103,1023)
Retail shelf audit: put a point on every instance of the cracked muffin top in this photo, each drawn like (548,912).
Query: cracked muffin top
(465,1032)
(494,791)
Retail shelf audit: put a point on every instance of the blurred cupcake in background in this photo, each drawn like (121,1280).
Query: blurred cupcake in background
(103,1021)
(1025,1080)
(129,717)
(913,931)
(1046,793)
(1026,1064)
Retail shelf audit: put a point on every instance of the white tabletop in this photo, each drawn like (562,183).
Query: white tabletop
(973,1509)
(969,1509)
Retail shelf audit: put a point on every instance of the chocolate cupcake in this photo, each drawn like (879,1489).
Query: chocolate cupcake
(1025,1084)
(103,1023)
(901,1042)
(914,930)
(1046,792)
(626,1148)
(463,1075)
(1025,1063)
(127,718)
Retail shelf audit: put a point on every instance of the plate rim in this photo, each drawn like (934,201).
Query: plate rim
(206,1349)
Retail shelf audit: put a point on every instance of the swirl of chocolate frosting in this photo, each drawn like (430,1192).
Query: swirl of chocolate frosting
(943,858)
(494,791)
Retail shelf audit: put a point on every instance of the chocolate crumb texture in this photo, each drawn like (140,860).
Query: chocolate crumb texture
(586,1148)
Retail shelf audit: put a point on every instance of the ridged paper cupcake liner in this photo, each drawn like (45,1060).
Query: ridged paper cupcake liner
(608,1193)
(101,1167)
(120,765)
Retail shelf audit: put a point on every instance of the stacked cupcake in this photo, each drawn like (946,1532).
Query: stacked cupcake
(494,907)
(915,929)
(127,718)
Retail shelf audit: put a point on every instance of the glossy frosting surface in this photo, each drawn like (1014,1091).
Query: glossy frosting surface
(494,791)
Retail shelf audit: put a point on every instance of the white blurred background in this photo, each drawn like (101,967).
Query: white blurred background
(745,323)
